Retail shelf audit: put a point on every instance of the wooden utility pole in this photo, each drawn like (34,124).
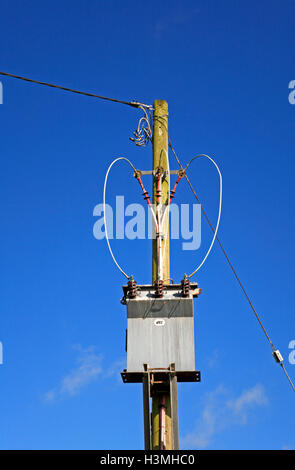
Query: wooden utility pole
(160,340)
(160,156)
(160,163)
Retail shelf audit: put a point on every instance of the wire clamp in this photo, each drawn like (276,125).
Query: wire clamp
(277,356)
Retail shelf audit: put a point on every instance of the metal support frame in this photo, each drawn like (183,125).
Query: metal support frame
(146,386)
(153,172)
(157,381)
(174,407)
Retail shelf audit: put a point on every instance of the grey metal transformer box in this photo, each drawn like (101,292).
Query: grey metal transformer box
(160,331)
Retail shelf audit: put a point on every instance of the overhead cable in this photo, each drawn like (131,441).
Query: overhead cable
(134,104)
(276,354)
(219,209)
(104,211)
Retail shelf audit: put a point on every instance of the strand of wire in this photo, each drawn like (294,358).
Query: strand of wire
(161,118)
(104,211)
(222,248)
(167,207)
(159,233)
(143,134)
(133,104)
(160,213)
(230,264)
(219,209)
(147,199)
(287,375)
(216,237)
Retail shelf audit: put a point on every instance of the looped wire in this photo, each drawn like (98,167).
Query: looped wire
(143,134)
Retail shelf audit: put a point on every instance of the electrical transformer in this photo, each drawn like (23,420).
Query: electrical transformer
(160,329)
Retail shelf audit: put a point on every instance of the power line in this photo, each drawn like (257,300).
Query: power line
(287,375)
(134,104)
(219,210)
(104,211)
(143,138)
(277,357)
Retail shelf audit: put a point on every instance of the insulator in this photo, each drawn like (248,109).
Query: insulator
(185,287)
(145,195)
(132,289)
(159,289)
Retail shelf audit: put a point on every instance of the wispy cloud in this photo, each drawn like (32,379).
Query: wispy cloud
(222,411)
(248,398)
(213,359)
(89,366)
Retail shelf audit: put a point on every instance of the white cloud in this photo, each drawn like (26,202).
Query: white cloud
(213,359)
(221,412)
(87,370)
(253,396)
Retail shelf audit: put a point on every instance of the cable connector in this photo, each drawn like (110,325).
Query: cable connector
(181,173)
(136,104)
(277,356)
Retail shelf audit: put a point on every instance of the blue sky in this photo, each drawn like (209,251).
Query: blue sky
(224,68)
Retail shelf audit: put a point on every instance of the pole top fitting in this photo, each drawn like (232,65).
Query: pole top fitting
(137,174)
(158,171)
(181,173)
